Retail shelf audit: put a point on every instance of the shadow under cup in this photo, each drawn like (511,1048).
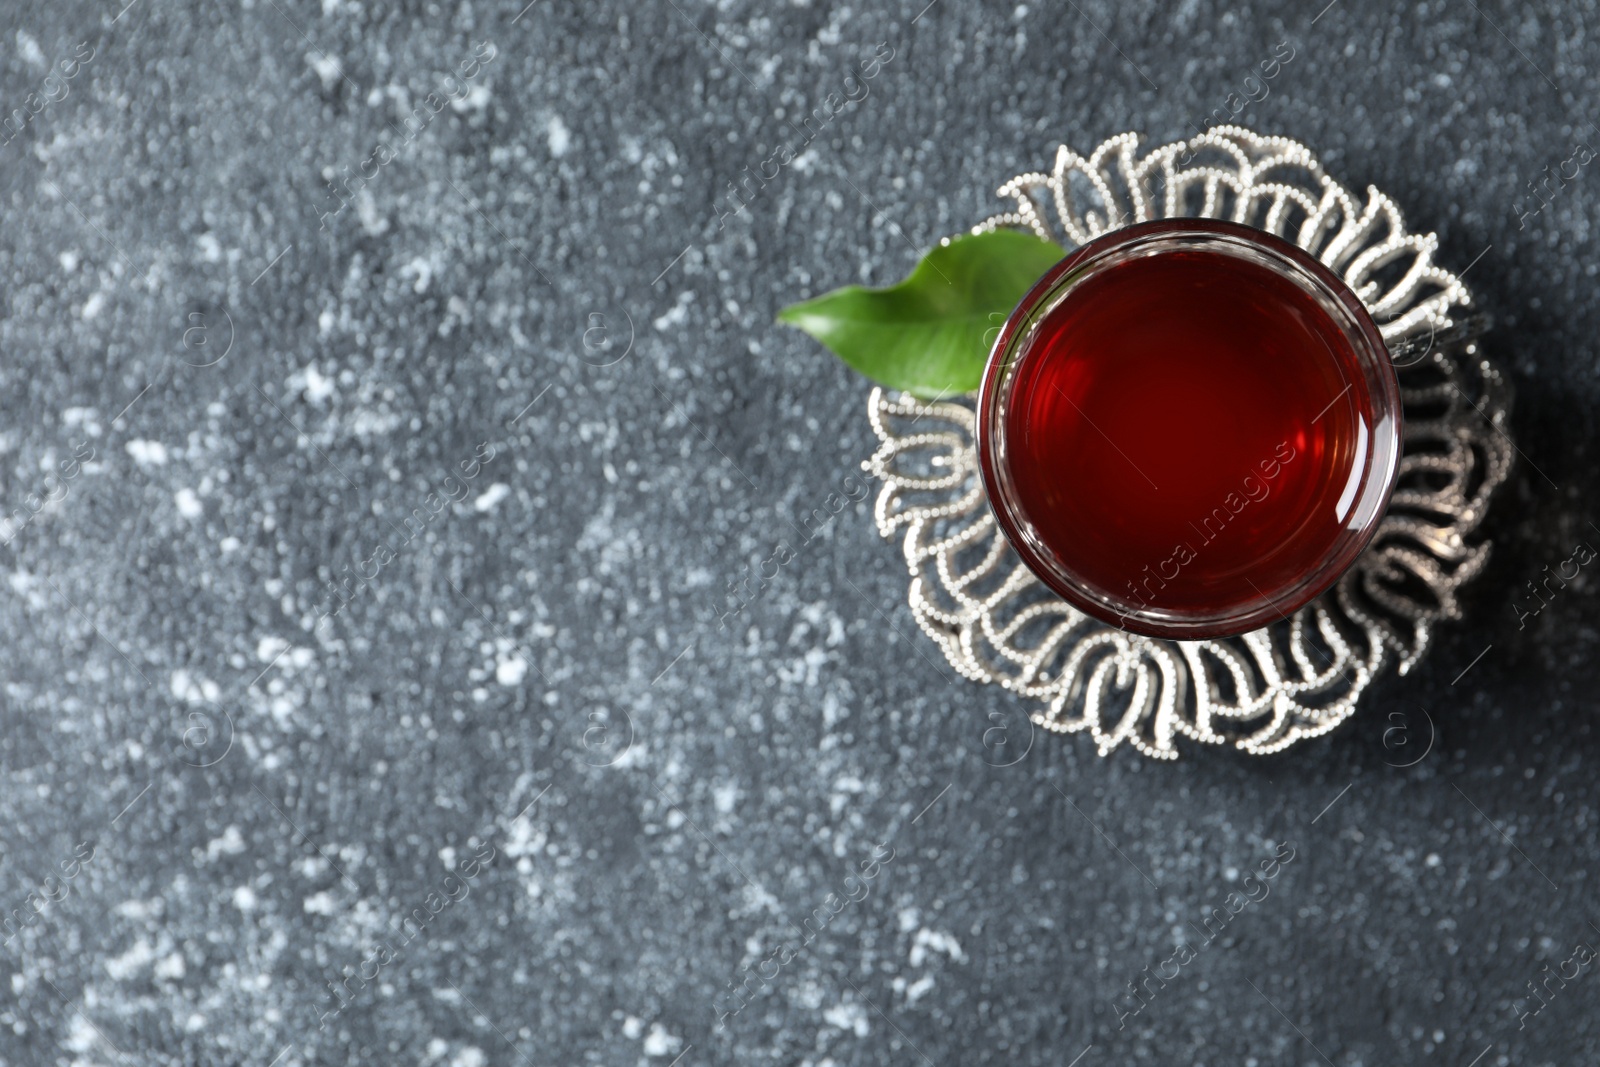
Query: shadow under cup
(1189,428)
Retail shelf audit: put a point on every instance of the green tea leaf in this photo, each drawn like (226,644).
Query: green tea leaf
(930,335)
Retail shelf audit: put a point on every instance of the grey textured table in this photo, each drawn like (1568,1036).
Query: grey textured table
(303,762)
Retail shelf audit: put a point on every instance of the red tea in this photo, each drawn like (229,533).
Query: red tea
(1188,432)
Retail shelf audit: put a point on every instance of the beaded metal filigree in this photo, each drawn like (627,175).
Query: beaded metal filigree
(1297,678)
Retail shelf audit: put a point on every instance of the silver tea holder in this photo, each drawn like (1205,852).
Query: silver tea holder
(1303,675)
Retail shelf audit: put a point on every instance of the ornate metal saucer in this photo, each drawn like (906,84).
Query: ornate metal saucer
(1302,676)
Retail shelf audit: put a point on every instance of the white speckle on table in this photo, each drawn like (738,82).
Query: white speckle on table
(84,1036)
(29,50)
(471,1056)
(475,99)
(559,136)
(92,306)
(68,260)
(843,789)
(372,221)
(312,867)
(188,504)
(511,671)
(524,839)
(675,315)
(244,898)
(935,941)
(635,755)
(311,383)
(632,1027)
(193,688)
(139,956)
(170,967)
(147,453)
(916,990)
(851,1017)
(421,268)
(660,1043)
(231,843)
(492,496)
(832,711)
(367,422)
(140,909)
(327,68)
(319,904)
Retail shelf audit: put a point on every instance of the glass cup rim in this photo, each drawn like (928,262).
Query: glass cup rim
(1379,475)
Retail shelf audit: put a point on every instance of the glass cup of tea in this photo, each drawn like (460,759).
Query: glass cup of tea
(1189,428)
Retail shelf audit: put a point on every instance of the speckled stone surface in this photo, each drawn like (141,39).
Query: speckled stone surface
(367,552)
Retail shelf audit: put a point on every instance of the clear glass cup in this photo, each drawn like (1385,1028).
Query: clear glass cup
(1294,569)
